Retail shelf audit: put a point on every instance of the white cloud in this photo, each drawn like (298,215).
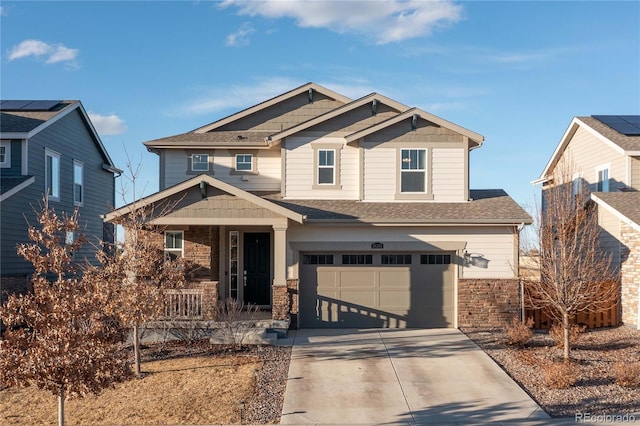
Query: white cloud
(107,124)
(240,37)
(50,53)
(383,21)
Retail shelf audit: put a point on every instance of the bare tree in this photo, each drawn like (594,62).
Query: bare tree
(576,275)
(60,337)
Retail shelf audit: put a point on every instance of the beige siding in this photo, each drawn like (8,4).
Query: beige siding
(448,174)
(610,235)
(635,172)
(495,244)
(267,179)
(300,170)
(586,152)
(379,173)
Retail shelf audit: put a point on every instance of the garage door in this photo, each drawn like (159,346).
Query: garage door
(386,290)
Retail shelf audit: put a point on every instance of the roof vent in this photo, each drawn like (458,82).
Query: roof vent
(374,107)
(310,94)
(414,121)
(240,137)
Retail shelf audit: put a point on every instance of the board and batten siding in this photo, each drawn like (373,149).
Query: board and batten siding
(496,244)
(299,167)
(447,174)
(70,138)
(586,152)
(269,169)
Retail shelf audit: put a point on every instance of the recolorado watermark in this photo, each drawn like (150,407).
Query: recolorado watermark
(604,418)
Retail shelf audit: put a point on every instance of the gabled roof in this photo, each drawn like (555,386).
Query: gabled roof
(215,183)
(624,205)
(11,185)
(339,111)
(625,145)
(475,137)
(488,206)
(270,102)
(21,120)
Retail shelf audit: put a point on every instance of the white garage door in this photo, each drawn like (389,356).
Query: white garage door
(387,290)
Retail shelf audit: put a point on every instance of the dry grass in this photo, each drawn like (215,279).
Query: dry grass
(559,375)
(184,390)
(627,374)
(518,332)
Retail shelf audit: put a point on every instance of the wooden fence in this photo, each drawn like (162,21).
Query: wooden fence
(183,304)
(608,316)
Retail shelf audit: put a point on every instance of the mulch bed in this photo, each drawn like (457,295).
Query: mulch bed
(594,356)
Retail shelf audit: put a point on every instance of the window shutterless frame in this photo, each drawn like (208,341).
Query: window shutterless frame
(326,167)
(52,174)
(173,244)
(5,154)
(78,183)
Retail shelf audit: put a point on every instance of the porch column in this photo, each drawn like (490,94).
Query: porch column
(280,304)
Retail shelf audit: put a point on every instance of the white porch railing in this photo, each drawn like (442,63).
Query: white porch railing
(183,304)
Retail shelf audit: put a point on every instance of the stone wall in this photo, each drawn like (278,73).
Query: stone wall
(630,274)
(487,302)
(201,252)
(280,308)
(209,298)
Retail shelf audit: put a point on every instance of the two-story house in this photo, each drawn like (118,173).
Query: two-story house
(50,147)
(341,213)
(603,153)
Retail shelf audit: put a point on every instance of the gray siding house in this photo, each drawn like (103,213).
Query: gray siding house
(335,212)
(50,147)
(603,152)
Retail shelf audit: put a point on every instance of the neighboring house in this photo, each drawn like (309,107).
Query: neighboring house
(49,146)
(603,152)
(341,213)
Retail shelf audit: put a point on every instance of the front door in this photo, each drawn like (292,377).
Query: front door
(257,273)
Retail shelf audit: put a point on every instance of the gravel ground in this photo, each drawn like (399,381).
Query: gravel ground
(594,355)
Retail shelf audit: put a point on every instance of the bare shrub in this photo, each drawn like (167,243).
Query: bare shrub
(627,374)
(556,332)
(237,320)
(518,332)
(559,375)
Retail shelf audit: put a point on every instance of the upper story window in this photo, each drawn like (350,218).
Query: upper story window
(577,184)
(413,170)
(326,166)
(52,175)
(5,154)
(200,162)
(78,183)
(602,179)
(173,244)
(244,162)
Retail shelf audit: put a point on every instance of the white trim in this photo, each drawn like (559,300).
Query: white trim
(54,155)
(24,146)
(332,167)
(17,188)
(251,168)
(7,154)
(193,163)
(615,212)
(174,250)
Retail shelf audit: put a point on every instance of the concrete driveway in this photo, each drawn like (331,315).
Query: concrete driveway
(381,376)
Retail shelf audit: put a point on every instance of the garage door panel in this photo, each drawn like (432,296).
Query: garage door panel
(358,278)
(362,298)
(395,299)
(395,277)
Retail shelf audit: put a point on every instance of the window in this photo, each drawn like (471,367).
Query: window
(413,170)
(357,259)
(435,259)
(326,166)
(233,264)
(173,244)
(5,154)
(396,259)
(244,162)
(200,162)
(78,187)
(602,184)
(52,175)
(577,184)
(317,259)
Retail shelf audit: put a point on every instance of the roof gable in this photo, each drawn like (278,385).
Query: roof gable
(624,205)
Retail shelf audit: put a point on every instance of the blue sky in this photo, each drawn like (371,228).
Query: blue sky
(515,72)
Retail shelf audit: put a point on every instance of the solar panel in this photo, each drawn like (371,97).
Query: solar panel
(628,125)
(13,104)
(40,106)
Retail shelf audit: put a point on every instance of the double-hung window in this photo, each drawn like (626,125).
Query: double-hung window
(173,244)
(200,162)
(5,154)
(413,170)
(244,162)
(78,183)
(326,166)
(52,175)
(602,184)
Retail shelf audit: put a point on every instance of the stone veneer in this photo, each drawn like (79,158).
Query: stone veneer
(209,298)
(487,302)
(630,274)
(201,250)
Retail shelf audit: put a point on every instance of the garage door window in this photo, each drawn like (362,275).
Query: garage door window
(357,259)
(317,259)
(435,259)
(396,259)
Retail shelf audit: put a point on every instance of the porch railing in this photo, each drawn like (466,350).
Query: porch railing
(183,304)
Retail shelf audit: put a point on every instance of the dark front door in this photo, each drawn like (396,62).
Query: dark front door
(257,272)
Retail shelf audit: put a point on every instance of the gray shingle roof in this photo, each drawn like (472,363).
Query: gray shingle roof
(627,203)
(24,121)
(242,138)
(628,143)
(487,206)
